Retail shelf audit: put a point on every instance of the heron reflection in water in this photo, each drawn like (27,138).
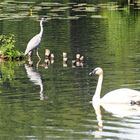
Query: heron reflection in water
(35,77)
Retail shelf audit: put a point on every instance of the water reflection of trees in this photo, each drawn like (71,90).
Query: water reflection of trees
(7,71)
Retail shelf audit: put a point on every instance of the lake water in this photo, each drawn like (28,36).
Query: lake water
(52,101)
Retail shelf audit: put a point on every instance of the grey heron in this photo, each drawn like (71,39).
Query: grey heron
(35,41)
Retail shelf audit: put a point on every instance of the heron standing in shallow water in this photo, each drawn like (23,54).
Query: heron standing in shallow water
(35,41)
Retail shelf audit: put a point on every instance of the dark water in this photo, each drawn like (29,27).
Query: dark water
(54,102)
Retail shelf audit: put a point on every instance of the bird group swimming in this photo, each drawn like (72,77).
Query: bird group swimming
(118,96)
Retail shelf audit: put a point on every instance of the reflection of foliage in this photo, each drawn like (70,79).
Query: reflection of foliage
(7,47)
(7,71)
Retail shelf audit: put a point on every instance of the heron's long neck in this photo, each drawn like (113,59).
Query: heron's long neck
(96,97)
(41,28)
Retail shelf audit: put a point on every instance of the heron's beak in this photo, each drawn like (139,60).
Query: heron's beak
(47,19)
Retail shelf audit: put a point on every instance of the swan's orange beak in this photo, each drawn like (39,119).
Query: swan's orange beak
(96,71)
(93,72)
(90,73)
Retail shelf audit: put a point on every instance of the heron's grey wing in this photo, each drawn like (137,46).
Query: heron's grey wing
(33,43)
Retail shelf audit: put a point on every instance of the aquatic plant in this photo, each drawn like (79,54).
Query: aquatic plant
(8,49)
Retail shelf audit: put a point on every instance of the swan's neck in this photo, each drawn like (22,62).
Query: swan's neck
(41,28)
(96,97)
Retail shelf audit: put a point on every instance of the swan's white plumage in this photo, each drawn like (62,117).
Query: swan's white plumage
(122,110)
(123,95)
(118,96)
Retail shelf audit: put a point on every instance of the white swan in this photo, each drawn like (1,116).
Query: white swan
(118,96)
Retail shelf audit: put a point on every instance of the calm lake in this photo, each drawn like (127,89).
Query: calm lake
(52,101)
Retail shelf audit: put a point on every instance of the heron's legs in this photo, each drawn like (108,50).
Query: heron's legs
(30,53)
(29,56)
(38,54)
(37,64)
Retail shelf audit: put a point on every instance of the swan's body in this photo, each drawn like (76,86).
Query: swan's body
(122,110)
(118,96)
(123,95)
(35,41)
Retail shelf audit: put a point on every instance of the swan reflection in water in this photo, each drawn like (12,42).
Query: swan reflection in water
(35,77)
(116,110)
